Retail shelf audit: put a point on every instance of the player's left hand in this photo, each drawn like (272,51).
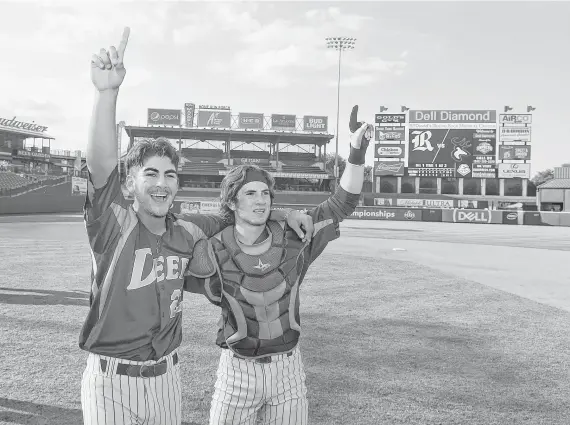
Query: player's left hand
(302,224)
(360,136)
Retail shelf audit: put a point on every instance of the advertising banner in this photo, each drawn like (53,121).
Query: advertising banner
(514,134)
(390,118)
(484,171)
(443,152)
(392,150)
(78,186)
(200,207)
(484,145)
(214,118)
(510,171)
(514,152)
(36,156)
(515,119)
(392,214)
(388,168)
(512,217)
(189,109)
(432,215)
(250,120)
(255,161)
(312,123)
(425,203)
(390,134)
(283,122)
(470,216)
(456,116)
(383,202)
(163,117)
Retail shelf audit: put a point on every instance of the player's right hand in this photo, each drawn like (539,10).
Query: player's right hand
(107,68)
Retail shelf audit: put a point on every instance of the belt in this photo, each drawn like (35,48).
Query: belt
(141,371)
(267,359)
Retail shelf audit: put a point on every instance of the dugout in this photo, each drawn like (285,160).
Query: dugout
(554,195)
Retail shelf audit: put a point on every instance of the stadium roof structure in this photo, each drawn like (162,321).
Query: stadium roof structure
(22,132)
(555,184)
(217,134)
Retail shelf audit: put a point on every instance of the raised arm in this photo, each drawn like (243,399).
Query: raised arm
(107,74)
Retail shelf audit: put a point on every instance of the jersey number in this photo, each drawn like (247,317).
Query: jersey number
(176,306)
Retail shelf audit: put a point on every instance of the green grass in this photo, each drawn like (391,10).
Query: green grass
(384,342)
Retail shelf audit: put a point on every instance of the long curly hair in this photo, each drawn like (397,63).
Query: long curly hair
(233,182)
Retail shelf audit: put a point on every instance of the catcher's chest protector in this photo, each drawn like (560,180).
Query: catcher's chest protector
(260,293)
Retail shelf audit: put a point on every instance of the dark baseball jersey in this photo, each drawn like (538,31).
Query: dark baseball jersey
(326,218)
(137,277)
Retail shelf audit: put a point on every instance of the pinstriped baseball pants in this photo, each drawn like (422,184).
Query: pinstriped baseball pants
(273,393)
(111,399)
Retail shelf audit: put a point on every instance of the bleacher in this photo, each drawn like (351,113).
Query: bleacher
(297,158)
(207,168)
(249,154)
(9,180)
(195,154)
(311,169)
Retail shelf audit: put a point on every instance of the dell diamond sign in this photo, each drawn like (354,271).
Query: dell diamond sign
(164,117)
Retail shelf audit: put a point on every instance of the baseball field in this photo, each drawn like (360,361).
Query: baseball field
(404,323)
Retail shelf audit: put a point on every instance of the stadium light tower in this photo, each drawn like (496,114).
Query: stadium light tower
(340,44)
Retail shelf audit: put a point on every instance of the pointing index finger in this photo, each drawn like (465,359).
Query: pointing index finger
(123,44)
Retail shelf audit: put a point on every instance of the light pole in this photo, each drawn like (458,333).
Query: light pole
(340,44)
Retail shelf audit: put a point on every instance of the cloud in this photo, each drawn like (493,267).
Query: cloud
(338,19)
(377,64)
(354,81)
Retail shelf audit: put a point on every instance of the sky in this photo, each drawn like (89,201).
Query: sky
(271,57)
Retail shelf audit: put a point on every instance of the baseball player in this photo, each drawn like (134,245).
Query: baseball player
(139,253)
(253,271)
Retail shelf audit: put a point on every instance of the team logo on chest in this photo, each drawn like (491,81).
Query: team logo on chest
(262,267)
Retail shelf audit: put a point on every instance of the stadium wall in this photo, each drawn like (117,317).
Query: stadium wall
(58,199)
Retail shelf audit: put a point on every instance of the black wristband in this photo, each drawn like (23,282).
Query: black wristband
(357,156)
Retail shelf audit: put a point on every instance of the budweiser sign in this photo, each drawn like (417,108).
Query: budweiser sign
(23,125)
(388,168)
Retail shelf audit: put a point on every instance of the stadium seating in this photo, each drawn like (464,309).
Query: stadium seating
(298,157)
(249,154)
(208,168)
(10,180)
(302,169)
(195,154)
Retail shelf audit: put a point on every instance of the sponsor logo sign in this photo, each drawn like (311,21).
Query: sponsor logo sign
(283,122)
(373,213)
(510,217)
(33,155)
(291,175)
(390,151)
(163,117)
(214,118)
(396,134)
(22,125)
(383,202)
(425,203)
(514,134)
(388,168)
(515,119)
(189,109)
(200,207)
(250,121)
(455,116)
(484,171)
(514,152)
(471,216)
(312,123)
(509,171)
(78,186)
(390,118)
(256,161)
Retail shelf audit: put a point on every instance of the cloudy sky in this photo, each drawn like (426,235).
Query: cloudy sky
(271,57)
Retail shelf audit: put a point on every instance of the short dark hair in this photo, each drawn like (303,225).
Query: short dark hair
(145,148)
(233,182)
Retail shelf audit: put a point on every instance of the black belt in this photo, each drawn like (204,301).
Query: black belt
(267,359)
(141,371)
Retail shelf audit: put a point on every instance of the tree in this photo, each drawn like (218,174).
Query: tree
(329,164)
(543,176)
